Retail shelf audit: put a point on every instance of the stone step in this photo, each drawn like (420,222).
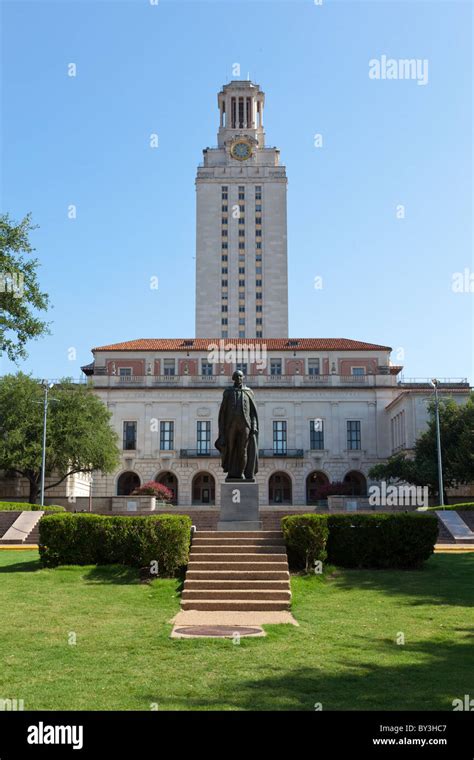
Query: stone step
(239,565)
(238,533)
(244,605)
(269,595)
(239,549)
(241,541)
(242,583)
(248,574)
(237,557)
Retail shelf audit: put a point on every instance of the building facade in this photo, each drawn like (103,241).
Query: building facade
(329,409)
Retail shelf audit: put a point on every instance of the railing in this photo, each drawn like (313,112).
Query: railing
(254,381)
(195,453)
(287,454)
(448,382)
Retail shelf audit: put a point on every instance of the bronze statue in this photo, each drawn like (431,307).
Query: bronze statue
(238,431)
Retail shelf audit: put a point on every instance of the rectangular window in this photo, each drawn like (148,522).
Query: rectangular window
(241,320)
(353,434)
(258,220)
(241,270)
(224,321)
(258,270)
(225,257)
(224,270)
(224,220)
(224,283)
(225,209)
(279,437)
(206,367)
(224,307)
(241,233)
(242,366)
(258,283)
(203,436)
(358,370)
(258,207)
(225,246)
(125,371)
(275,366)
(241,283)
(313,366)
(166,436)
(169,367)
(259,334)
(241,333)
(224,334)
(258,233)
(316,434)
(241,245)
(241,308)
(259,245)
(259,321)
(224,233)
(129,436)
(259,307)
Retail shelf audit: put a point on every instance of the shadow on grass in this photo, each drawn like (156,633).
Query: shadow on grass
(433,684)
(444,579)
(22,567)
(117,574)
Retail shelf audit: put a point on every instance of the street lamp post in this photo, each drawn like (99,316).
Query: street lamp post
(47,386)
(435,384)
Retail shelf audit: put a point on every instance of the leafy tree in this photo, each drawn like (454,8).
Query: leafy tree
(457,450)
(79,436)
(20,293)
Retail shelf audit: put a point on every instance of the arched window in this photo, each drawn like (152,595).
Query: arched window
(169,480)
(314,483)
(357,482)
(204,489)
(127,483)
(279,489)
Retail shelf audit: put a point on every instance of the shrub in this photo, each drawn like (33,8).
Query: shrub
(305,537)
(467,506)
(20,506)
(87,539)
(154,489)
(402,540)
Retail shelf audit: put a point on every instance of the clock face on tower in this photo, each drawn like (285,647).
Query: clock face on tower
(241,150)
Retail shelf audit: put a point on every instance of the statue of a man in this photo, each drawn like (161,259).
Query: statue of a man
(238,431)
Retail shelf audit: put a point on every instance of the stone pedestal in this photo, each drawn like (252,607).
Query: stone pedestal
(239,507)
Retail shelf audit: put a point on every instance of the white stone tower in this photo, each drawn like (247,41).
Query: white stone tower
(241,229)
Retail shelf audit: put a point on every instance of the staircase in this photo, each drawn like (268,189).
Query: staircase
(237,570)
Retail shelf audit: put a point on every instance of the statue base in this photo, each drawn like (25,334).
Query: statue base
(239,506)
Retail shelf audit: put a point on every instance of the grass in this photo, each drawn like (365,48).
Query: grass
(344,654)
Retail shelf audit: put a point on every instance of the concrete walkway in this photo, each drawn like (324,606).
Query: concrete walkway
(209,618)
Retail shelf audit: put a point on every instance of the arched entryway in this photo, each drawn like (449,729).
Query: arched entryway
(127,483)
(204,488)
(357,483)
(314,482)
(279,489)
(169,480)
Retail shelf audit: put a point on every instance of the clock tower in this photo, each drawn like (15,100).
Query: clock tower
(241,234)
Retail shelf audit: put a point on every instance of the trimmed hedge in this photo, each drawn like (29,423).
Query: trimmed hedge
(467,506)
(88,539)
(305,537)
(402,540)
(20,506)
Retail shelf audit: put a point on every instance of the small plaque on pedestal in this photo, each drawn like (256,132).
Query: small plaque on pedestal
(239,506)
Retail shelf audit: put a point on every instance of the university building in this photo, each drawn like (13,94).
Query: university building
(329,408)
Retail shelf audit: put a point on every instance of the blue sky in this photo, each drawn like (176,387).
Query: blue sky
(145,69)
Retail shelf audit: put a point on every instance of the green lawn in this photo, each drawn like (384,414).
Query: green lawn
(344,654)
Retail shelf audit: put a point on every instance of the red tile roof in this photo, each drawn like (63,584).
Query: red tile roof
(271,344)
